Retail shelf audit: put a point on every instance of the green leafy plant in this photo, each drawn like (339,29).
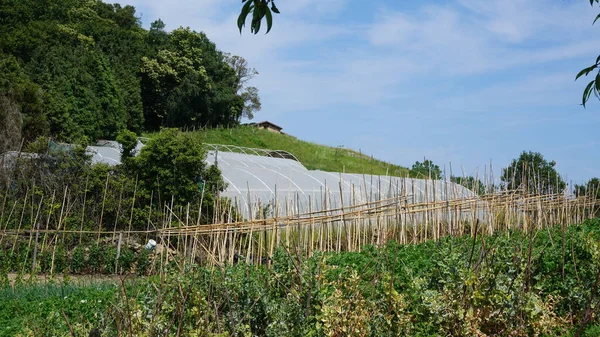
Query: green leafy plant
(260,9)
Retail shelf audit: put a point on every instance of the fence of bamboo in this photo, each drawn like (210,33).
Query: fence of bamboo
(346,228)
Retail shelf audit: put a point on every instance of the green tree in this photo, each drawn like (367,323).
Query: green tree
(128,141)
(426,170)
(189,84)
(168,82)
(249,94)
(172,165)
(84,100)
(83,70)
(532,173)
(10,124)
(21,110)
(470,182)
(591,188)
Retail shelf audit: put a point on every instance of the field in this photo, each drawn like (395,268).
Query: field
(541,283)
(421,259)
(312,156)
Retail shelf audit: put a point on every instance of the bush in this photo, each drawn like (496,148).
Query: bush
(95,259)
(78,262)
(142,262)
(126,260)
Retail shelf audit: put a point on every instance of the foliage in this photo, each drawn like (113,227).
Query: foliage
(20,105)
(248,93)
(172,164)
(591,188)
(507,284)
(260,9)
(594,85)
(128,141)
(426,170)
(471,183)
(37,310)
(57,187)
(311,155)
(81,71)
(533,173)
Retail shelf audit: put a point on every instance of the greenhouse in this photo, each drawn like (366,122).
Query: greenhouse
(254,180)
(276,181)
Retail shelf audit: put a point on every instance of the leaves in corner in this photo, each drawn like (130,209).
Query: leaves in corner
(274,8)
(241,21)
(269,17)
(587,92)
(586,71)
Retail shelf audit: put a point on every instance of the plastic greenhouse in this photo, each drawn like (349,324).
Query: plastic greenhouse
(261,179)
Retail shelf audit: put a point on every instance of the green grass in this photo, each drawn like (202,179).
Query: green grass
(312,156)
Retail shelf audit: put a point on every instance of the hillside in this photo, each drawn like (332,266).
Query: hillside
(311,155)
(79,71)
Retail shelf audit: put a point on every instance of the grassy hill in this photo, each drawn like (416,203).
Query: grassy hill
(311,155)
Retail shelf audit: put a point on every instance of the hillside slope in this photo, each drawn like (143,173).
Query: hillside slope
(311,155)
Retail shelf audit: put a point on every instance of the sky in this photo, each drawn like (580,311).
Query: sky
(465,83)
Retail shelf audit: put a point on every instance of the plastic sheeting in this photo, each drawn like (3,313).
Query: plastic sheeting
(260,183)
(255,182)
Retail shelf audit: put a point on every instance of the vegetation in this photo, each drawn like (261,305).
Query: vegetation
(594,85)
(80,71)
(471,183)
(172,166)
(260,9)
(69,192)
(542,283)
(426,170)
(533,173)
(311,155)
(591,188)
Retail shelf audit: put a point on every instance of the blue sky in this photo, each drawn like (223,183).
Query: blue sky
(460,82)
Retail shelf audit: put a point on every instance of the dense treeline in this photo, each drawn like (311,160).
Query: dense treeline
(82,70)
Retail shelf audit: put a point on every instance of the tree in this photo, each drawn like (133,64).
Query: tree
(128,141)
(248,94)
(189,84)
(172,166)
(10,125)
(591,188)
(426,170)
(168,81)
(532,173)
(83,70)
(21,105)
(469,182)
(260,9)
(594,85)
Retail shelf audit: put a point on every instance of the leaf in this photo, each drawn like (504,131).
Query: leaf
(587,92)
(259,13)
(244,14)
(257,26)
(597,84)
(269,19)
(586,71)
(274,9)
(596,19)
